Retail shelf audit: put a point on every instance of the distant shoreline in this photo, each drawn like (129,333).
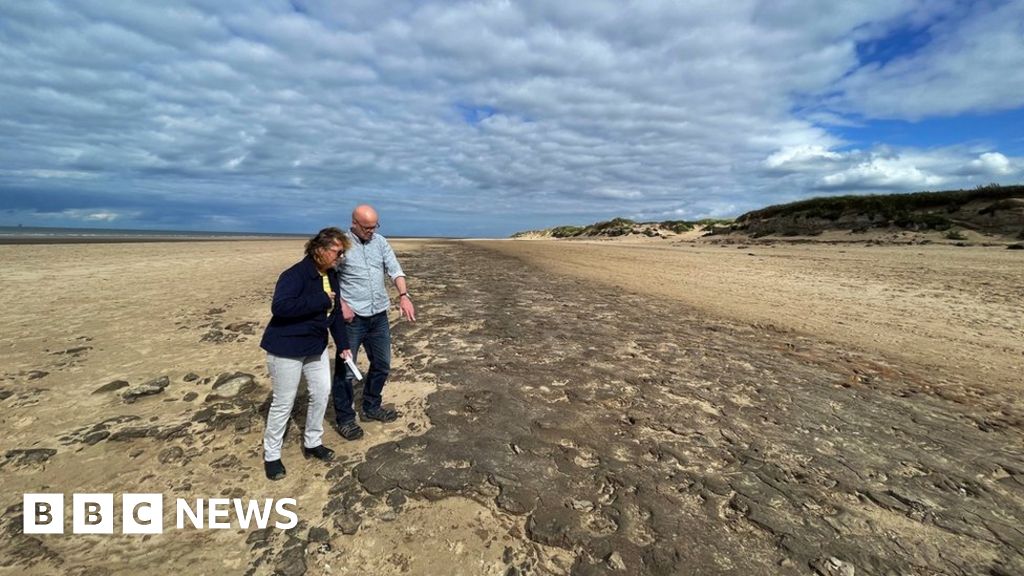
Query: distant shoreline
(44,235)
(13,235)
(29,240)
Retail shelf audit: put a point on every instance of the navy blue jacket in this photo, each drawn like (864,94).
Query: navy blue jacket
(300,321)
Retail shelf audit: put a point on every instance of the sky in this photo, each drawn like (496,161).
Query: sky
(485,118)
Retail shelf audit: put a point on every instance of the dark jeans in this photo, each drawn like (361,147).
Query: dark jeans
(374,334)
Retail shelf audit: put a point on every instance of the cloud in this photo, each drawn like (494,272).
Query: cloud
(885,169)
(93,217)
(975,63)
(478,117)
(991,163)
(792,157)
(883,173)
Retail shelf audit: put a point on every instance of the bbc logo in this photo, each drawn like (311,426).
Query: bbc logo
(144,513)
(94,513)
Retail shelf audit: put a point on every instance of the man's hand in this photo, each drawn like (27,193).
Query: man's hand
(347,313)
(407,309)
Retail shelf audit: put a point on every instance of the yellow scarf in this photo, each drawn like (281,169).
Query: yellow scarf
(327,290)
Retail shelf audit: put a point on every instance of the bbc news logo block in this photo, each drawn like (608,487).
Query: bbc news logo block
(44,514)
(91,514)
(144,513)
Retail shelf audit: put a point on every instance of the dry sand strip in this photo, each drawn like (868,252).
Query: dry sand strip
(954,311)
(572,427)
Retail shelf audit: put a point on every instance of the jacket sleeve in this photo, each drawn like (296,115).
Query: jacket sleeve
(289,301)
(338,331)
(337,325)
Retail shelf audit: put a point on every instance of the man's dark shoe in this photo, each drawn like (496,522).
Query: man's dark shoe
(274,469)
(320,452)
(381,414)
(350,430)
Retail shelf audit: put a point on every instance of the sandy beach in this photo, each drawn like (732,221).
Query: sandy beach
(568,407)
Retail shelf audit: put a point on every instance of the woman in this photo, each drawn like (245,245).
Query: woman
(304,309)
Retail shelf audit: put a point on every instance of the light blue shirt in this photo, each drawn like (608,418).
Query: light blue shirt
(361,274)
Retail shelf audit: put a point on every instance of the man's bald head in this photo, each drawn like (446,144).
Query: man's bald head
(364,222)
(364,213)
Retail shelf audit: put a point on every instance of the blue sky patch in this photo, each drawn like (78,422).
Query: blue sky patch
(473,114)
(1002,130)
(900,42)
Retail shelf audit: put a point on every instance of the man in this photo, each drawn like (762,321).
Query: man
(364,306)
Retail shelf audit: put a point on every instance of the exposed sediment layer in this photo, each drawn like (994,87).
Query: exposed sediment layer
(650,439)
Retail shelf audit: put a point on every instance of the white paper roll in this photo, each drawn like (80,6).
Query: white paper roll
(354,369)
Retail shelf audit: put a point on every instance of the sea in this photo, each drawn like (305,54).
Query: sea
(42,235)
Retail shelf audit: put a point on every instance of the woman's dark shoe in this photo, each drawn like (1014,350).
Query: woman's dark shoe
(274,469)
(350,430)
(381,414)
(321,452)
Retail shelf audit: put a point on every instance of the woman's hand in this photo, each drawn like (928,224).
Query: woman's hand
(346,354)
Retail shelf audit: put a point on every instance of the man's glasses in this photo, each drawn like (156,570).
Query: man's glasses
(367,228)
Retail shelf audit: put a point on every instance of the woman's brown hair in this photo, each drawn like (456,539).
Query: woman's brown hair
(324,239)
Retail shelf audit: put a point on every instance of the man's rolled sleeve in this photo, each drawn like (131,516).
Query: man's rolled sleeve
(391,265)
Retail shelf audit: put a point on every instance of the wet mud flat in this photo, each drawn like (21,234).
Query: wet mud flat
(646,438)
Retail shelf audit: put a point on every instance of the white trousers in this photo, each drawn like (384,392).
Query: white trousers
(285,373)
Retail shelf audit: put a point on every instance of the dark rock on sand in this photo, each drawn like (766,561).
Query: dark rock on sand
(291,562)
(259,538)
(248,328)
(396,499)
(228,386)
(97,432)
(227,461)
(94,437)
(217,336)
(158,432)
(170,454)
(112,386)
(22,457)
(150,388)
(233,492)
(232,403)
(318,534)
(346,505)
(76,351)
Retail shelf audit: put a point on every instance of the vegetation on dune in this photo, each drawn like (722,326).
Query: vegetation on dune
(898,209)
(992,209)
(677,226)
(624,227)
(613,227)
(566,231)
